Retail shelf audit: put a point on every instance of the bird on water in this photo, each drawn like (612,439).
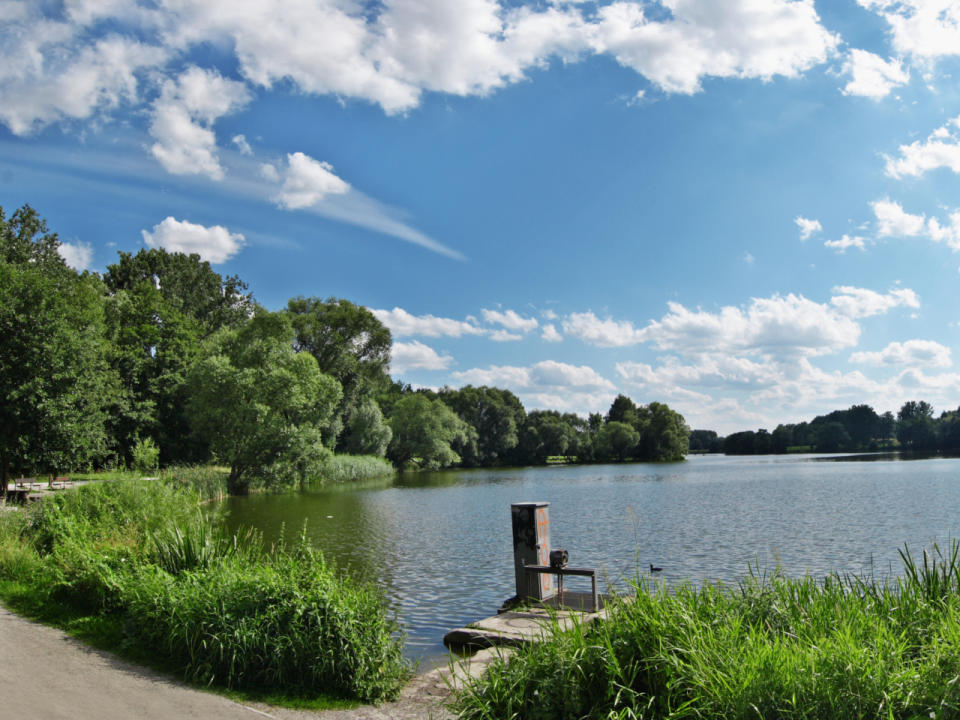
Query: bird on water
(654,569)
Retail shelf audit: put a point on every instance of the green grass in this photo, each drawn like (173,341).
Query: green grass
(354,468)
(138,566)
(773,647)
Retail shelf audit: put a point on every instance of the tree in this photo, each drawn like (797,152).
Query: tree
(495,414)
(367,432)
(54,381)
(617,440)
(261,406)
(162,306)
(915,426)
(545,434)
(349,344)
(623,410)
(664,435)
(423,432)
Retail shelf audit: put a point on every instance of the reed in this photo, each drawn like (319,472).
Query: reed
(353,468)
(143,558)
(773,647)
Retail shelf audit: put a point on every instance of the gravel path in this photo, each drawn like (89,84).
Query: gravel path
(49,675)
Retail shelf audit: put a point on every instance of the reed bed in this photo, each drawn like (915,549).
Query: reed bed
(354,468)
(143,559)
(772,647)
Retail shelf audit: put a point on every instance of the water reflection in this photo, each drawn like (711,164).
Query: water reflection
(439,543)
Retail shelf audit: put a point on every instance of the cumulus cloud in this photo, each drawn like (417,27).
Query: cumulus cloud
(856,302)
(242,145)
(847,241)
(789,325)
(926,29)
(894,221)
(214,244)
(510,320)
(403,324)
(550,334)
(183,117)
(77,255)
(393,52)
(912,353)
(406,356)
(601,333)
(941,149)
(807,227)
(540,377)
(305,181)
(871,75)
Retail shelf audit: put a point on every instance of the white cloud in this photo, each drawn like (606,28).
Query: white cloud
(941,149)
(242,145)
(872,76)
(548,375)
(505,336)
(214,244)
(807,227)
(76,255)
(306,182)
(183,117)
(749,259)
(856,302)
(406,356)
(784,326)
(926,29)
(403,324)
(913,353)
(510,320)
(893,221)
(846,242)
(550,334)
(601,333)
(701,38)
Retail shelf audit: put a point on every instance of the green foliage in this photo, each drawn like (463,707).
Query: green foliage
(495,414)
(424,431)
(367,431)
(54,379)
(219,610)
(261,406)
(774,647)
(353,468)
(146,455)
(617,441)
(203,481)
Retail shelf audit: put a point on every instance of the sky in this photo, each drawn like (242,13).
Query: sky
(746,209)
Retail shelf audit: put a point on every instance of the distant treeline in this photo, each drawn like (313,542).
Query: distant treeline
(857,429)
(162,360)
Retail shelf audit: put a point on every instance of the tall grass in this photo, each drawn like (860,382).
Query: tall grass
(221,610)
(843,647)
(353,468)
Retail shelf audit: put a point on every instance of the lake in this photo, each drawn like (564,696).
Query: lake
(439,544)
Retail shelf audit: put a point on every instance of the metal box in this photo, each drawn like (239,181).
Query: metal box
(531,546)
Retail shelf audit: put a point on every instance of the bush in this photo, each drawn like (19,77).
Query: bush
(146,455)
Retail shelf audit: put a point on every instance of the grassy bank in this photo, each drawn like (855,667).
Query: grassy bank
(143,568)
(771,648)
(354,468)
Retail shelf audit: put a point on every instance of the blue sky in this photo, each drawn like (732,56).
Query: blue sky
(747,209)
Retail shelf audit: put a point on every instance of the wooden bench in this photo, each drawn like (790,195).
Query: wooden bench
(24,483)
(61,481)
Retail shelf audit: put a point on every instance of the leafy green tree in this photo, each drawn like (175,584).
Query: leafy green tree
(162,305)
(349,344)
(617,441)
(261,406)
(54,381)
(495,414)
(424,431)
(862,424)
(545,434)
(916,429)
(664,435)
(367,432)
(623,410)
(832,437)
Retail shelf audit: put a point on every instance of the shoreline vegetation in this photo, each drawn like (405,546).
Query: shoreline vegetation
(140,567)
(773,647)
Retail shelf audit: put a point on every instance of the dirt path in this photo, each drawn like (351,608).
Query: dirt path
(49,675)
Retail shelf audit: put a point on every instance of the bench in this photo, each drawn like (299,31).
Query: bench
(61,481)
(560,572)
(24,483)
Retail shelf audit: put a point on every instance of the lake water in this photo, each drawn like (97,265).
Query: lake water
(439,544)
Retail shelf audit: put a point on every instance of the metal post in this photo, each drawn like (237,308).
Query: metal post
(531,546)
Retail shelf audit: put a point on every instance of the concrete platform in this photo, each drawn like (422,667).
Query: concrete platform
(512,628)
